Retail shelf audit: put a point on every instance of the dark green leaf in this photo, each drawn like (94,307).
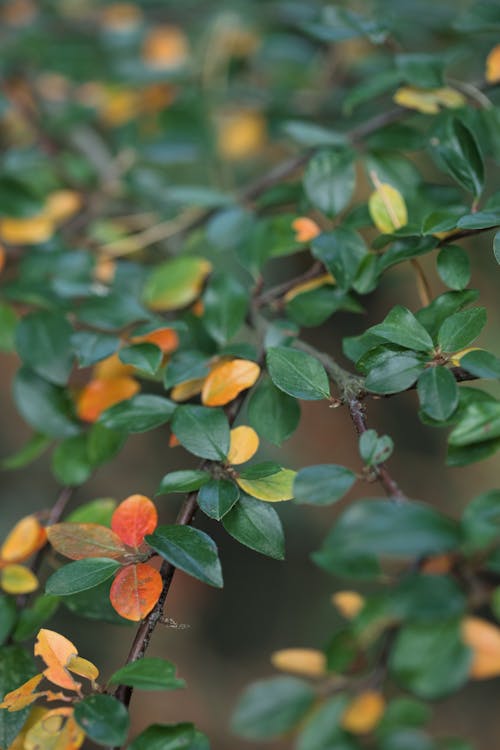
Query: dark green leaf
(32,618)
(103,444)
(145,356)
(455,150)
(421,69)
(460,329)
(185,365)
(323,728)
(8,325)
(81,575)
(322,485)
(43,405)
(190,550)
(94,604)
(329,180)
(167,737)
(401,327)
(225,306)
(298,374)
(138,414)
(374,449)
(479,422)
(148,673)
(104,719)
(70,461)
(438,392)
(202,431)
(433,316)
(16,667)
(183,481)
(481,520)
(256,525)
(217,497)
(397,372)
(273,414)
(8,616)
(92,347)
(341,252)
(453,266)
(481,364)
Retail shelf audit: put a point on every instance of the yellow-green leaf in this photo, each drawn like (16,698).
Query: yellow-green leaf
(272,488)
(17,579)
(387,208)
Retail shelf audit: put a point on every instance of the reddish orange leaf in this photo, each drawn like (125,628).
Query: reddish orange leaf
(364,713)
(26,537)
(165,338)
(134,518)
(56,651)
(22,696)
(79,540)
(484,639)
(99,395)
(135,591)
(305,229)
(244,443)
(227,380)
(173,441)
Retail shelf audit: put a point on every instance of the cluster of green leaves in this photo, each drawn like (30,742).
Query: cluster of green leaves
(113,341)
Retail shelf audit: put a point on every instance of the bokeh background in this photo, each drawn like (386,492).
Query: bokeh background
(204,102)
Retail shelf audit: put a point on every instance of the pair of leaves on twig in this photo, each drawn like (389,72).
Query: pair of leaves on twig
(26,538)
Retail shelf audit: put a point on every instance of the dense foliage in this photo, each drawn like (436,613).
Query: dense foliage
(160,166)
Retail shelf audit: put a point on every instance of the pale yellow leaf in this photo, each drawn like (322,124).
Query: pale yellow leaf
(308,662)
(273,488)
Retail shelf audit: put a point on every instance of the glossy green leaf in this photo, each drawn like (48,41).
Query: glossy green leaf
(273,414)
(185,365)
(81,575)
(322,485)
(145,356)
(183,481)
(103,444)
(374,449)
(456,150)
(401,327)
(167,737)
(341,251)
(397,372)
(329,180)
(481,520)
(256,525)
(44,405)
(323,728)
(202,431)
(90,347)
(481,364)
(138,414)
(461,329)
(453,266)
(298,374)
(479,422)
(437,392)
(104,719)
(217,497)
(148,673)
(190,550)
(225,306)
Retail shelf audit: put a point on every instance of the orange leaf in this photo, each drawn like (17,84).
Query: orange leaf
(56,651)
(186,390)
(304,661)
(364,713)
(348,603)
(79,540)
(26,537)
(227,380)
(164,338)
(99,395)
(22,696)
(111,368)
(241,134)
(484,640)
(305,229)
(29,231)
(165,47)
(16,579)
(3,258)
(173,441)
(56,730)
(437,565)
(134,518)
(493,65)
(244,443)
(135,591)
(61,205)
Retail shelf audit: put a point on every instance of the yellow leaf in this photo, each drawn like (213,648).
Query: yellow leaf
(244,443)
(186,390)
(56,730)
(119,107)
(348,603)
(227,380)
(308,662)
(83,667)
(165,47)
(455,360)
(484,639)
(493,65)
(305,229)
(16,579)
(387,208)
(34,716)
(61,205)
(364,713)
(429,101)
(308,286)
(22,696)
(29,231)
(273,488)
(56,651)
(241,135)
(26,537)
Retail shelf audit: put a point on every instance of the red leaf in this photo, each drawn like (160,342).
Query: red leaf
(134,518)
(80,540)
(135,591)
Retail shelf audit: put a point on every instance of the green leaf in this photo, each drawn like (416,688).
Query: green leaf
(96,511)
(43,340)
(32,618)
(433,316)
(460,329)
(396,372)
(167,737)
(481,520)
(426,598)
(185,365)
(403,712)
(373,449)
(456,151)
(330,179)
(256,525)
(341,251)
(322,485)
(202,431)
(43,405)
(91,347)
(103,444)
(312,307)
(273,414)
(70,461)
(323,728)
(148,673)
(479,422)
(437,392)
(370,528)
(175,283)
(270,708)
(190,550)
(81,575)
(430,660)
(30,451)
(297,373)
(217,497)
(183,481)
(16,667)
(401,327)
(103,719)
(8,616)
(225,306)
(94,604)
(496,247)
(270,484)
(8,325)
(423,70)
(112,312)
(145,356)
(309,134)
(481,364)
(138,414)
(453,267)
